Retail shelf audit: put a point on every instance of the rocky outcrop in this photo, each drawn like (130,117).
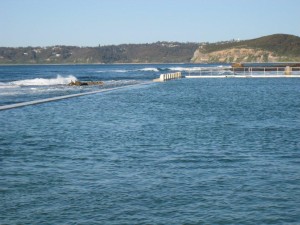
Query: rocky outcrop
(271,48)
(85,83)
(235,55)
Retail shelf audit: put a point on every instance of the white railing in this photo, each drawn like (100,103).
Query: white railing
(244,71)
(168,76)
(266,70)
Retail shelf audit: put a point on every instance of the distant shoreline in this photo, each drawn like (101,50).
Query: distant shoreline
(82,64)
(271,48)
(183,63)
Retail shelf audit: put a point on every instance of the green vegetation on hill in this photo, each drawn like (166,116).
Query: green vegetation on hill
(160,52)
(281,44)
(277,47)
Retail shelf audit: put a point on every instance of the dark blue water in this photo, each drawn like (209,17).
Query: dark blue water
(201,151)
(26,83)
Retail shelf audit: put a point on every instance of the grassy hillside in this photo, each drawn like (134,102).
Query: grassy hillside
(281,44)
(160,52)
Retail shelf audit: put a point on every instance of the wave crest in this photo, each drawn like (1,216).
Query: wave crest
(59,80)
(195,69)
(149,69)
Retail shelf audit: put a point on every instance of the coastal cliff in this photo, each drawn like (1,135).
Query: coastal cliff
(237,55)
(272,48)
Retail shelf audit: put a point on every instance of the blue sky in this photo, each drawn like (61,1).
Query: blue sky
(94,22)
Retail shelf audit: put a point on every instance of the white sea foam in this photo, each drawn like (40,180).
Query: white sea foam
(6,85)
(114,71)
(186,68)
(121,71)
(193,69)
(178,69)
(59,80)
(149,69)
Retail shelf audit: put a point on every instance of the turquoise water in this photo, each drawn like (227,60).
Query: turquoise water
(202,151)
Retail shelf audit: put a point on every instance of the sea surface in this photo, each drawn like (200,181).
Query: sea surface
(187,151)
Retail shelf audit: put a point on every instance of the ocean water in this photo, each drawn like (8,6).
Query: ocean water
(26,83)
(188,151)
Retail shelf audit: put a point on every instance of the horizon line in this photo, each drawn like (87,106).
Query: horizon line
(143,43)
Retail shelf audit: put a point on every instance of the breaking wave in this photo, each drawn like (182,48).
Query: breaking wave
(59,80)
(193,69)
(147,69)
(150,69)
(165,69)
(6,85)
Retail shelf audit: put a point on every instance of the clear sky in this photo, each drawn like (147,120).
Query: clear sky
(94,22)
